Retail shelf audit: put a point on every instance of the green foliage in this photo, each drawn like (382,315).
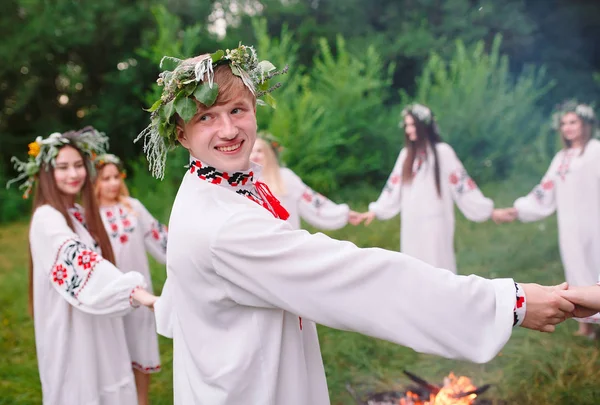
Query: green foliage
(491,119)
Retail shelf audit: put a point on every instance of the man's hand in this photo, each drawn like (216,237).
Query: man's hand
(545,307)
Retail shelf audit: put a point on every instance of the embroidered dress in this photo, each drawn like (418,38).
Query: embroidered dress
(427,225)
(133,232)
(79,299)
(303,202)
(571,187)
(239,279)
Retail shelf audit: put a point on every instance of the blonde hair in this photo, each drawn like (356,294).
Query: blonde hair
(271,172)
(123,197)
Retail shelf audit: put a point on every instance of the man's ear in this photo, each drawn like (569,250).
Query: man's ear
(181,138)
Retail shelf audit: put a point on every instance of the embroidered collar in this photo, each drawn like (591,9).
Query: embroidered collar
(77,212)
(242,183)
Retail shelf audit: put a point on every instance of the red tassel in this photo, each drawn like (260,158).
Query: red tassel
(278,209)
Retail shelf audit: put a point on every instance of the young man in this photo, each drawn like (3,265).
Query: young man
(244,289)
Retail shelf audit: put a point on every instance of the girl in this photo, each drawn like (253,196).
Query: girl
(427,179)
(296,197)
(571,187)
(77,295)
(132,232)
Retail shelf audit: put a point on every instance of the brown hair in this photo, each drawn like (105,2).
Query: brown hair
(427,135)
(47,193)
(123,190)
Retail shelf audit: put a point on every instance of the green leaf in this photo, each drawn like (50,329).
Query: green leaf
(167,111)
(270,101)
(207,95)
(186,108)
(217,56)
(236,71)
(169,63)
(265,66)
(155,106)
(264,86)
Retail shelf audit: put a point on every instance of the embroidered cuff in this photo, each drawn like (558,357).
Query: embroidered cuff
(133,302)
(520,306)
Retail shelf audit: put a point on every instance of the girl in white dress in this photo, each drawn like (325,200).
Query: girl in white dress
(571,187)
(426,181)
(297,198)
(77,295)
(132,232)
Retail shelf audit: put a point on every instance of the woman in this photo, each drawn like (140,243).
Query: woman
(571,187)
(426,181)
(132,232)
(76,293)
(296,197)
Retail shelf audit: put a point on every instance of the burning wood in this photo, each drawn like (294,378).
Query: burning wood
(455,391)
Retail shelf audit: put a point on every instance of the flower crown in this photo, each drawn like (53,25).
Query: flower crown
(107,158)
(272,141)
(421,112)
(193,79)
(44,152)
(583,111)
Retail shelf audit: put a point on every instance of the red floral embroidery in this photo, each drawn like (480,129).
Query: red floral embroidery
(126,223)
(548,185)
(87,258)
(123,238)
(145,370)
(114,227)
(395,179)
(453,178)
(109,214)
(59,274)
(155,234)
(471,184)
(78,216)
(307,196)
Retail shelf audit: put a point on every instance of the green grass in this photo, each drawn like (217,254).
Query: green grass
(533,368)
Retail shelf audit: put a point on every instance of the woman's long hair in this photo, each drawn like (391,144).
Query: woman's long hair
(427,135)
(271,172)
(47,193)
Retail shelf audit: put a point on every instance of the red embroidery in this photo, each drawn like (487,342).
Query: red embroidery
(114,227)
(453,178)
(78,216)
(126,223)
(86,259)
(60,274)
(471,184)
(145,370)
(155,234)
(548,185)
(109,214)
(395,179)
(520,301)
(307,196)
(123,238)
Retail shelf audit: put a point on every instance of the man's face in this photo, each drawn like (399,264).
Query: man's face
(222,136)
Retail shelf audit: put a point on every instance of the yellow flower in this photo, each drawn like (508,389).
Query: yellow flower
(34,149)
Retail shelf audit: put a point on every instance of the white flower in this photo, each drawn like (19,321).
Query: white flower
(585,111)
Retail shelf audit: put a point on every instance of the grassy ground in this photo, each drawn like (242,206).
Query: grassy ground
(533,368)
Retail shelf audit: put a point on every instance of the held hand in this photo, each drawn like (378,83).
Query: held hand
(354,217)
(144,298)
(502,215)
(368,217)
(545,307)
(586,300)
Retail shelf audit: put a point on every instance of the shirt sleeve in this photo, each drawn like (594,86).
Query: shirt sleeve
(313,207)
(388,205)
(465,193)
(376,292)
(79,274)
(155,233)
(541,201)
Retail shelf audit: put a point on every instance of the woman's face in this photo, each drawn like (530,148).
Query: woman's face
(69,171)
(410,129)
(571,127)
(109,183)
(258,152)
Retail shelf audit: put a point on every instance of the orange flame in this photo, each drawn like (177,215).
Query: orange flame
(452,386)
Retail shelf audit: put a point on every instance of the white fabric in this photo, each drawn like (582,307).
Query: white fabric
(427,226)
(302,202)
(80,340)
(571,187)
(238,279)
(133,232)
